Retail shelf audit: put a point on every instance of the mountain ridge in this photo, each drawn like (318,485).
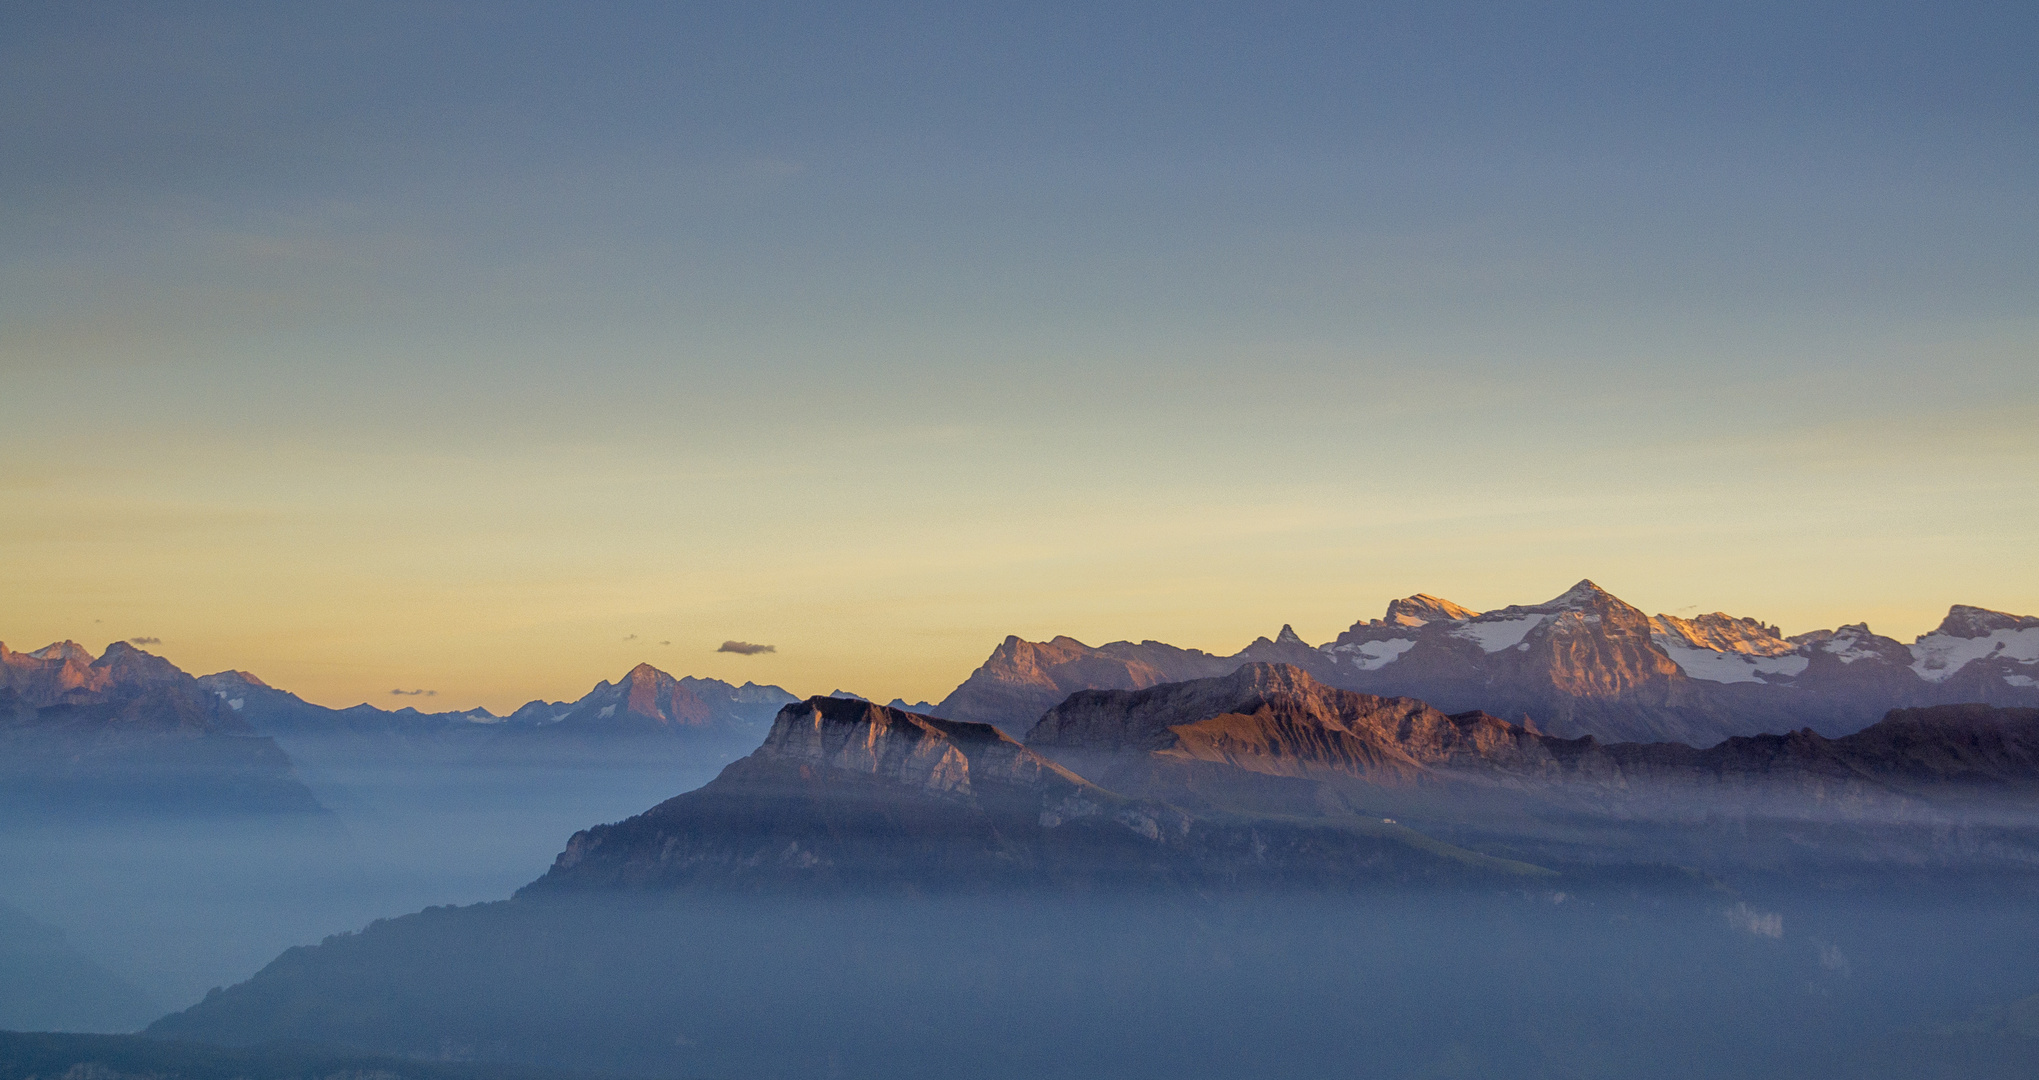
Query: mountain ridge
(1581,663)
(130,733)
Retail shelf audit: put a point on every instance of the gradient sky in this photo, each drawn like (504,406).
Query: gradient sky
(447,346)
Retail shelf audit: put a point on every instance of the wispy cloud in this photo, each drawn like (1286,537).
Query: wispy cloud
(630,637)
(415,693)
(745,648)
(145,641)
(1768,924)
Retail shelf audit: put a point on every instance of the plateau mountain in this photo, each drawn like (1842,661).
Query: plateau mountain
(849,795)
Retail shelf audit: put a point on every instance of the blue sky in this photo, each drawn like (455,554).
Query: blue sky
(387,343)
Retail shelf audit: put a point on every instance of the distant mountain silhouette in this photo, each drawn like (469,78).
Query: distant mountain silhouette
(646,716)
(130,733)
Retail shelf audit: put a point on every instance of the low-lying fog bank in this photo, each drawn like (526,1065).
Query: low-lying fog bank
(177,905)
(1397,983)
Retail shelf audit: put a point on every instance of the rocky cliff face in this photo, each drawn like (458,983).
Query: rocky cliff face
(52,675)
(1273,719)
(1720,632)
(917,753)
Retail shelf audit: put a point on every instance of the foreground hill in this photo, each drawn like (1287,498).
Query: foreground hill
(1581,663)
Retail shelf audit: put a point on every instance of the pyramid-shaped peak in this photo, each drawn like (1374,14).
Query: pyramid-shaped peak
(1288,636)
(646,673)
(1584,594)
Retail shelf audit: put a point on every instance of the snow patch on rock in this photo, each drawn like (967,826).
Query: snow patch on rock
(1497,634)
(1937,656)
(1374,655)
(1716,665)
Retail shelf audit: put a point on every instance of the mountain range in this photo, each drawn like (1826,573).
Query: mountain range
(1581,663)
(1172,839)
(846,888)
(127,732)
(1268,776)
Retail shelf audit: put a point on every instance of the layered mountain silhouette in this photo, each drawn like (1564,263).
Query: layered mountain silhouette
(1581,663)
(647,716)
(127,732)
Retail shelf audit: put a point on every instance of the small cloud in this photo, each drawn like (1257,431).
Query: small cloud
(665,643)
(630,637)
(1767,924)
(415,693)
(145,641)
(745,648)
(1688,607)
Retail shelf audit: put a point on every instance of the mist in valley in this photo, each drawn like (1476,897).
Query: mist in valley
(178,904)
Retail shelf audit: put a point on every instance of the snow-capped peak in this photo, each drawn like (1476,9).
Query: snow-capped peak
(1969,634)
